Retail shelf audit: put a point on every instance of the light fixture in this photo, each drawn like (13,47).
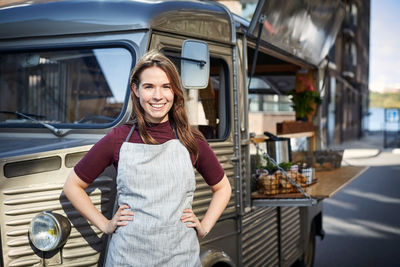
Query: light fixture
(49,231)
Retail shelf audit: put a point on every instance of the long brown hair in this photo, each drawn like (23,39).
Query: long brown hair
(177,114)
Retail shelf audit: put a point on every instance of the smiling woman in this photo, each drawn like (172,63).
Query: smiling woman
(154,154)
(155,94)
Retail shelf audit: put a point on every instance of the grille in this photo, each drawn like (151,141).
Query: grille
(23,203)
(22,197)
(260,238)
(203,194)
(290,237)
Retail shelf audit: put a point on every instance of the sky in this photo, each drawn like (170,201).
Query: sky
(384,45)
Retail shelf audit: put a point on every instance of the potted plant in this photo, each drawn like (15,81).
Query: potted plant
(305,99)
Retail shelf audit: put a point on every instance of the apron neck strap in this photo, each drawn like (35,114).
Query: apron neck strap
(130,133)
(174,128)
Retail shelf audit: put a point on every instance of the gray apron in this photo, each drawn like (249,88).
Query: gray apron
(157,182)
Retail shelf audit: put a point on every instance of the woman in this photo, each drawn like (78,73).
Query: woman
(154,155)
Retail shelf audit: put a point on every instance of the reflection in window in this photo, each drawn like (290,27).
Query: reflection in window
(269,103)
(64,86)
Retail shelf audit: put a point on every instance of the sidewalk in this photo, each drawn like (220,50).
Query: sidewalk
(368,151)
(368,146)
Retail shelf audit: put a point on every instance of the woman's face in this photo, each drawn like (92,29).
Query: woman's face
(155,94)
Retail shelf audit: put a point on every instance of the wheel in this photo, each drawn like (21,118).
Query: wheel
(307,259)
(216,258)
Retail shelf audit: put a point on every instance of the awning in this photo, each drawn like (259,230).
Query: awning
(304,28)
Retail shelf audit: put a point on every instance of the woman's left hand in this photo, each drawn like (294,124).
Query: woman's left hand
(189,216)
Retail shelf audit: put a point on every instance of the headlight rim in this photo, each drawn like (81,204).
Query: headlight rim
(55,218)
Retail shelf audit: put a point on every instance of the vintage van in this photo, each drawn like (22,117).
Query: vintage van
(64,71)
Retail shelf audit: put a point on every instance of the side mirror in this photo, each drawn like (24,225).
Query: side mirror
(195,64)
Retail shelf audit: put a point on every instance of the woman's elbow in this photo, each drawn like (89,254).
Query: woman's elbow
(73,183)
(68,186)
(228,190)
(227,186)
(223,186)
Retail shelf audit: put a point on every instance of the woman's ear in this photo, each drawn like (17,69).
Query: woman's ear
(135,90)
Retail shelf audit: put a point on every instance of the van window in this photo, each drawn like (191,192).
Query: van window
(81,87)
(208,108)
(269,93)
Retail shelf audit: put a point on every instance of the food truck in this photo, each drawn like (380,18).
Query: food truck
(64,83)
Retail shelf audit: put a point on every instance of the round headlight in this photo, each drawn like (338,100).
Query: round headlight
(49,231)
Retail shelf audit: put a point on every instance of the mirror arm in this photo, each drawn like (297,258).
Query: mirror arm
(201,62)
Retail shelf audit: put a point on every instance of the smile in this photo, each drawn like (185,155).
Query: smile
(157,105)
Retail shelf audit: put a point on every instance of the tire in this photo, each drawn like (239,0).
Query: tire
(216,258)
(307,259)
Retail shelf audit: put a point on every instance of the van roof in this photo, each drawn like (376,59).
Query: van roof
(33,18)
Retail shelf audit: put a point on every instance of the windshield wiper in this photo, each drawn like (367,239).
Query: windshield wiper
(54,130)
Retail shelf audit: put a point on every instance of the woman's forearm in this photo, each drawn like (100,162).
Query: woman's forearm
(221,195)
(74,189)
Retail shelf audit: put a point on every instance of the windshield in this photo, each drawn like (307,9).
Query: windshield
(68,88)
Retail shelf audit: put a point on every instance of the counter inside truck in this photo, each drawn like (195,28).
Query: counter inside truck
(327,184)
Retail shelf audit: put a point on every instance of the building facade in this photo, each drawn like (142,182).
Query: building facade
(345,106)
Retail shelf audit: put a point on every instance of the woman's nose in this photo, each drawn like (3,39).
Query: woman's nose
(157,93)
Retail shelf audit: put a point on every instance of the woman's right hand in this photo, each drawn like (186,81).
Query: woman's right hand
(120,218)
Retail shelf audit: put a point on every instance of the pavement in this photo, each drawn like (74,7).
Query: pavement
(361,221)
(368,151)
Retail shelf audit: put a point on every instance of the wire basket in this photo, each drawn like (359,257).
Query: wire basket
(320,160)
(329,159)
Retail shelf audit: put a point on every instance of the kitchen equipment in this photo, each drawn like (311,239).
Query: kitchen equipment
(310,174)
(278,148)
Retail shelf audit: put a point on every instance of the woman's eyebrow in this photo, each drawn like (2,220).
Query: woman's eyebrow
(143,84)
(148,83)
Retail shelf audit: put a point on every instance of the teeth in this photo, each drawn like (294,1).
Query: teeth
(157,105)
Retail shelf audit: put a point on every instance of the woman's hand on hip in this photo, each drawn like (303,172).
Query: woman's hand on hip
(193,222)
(120,218)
